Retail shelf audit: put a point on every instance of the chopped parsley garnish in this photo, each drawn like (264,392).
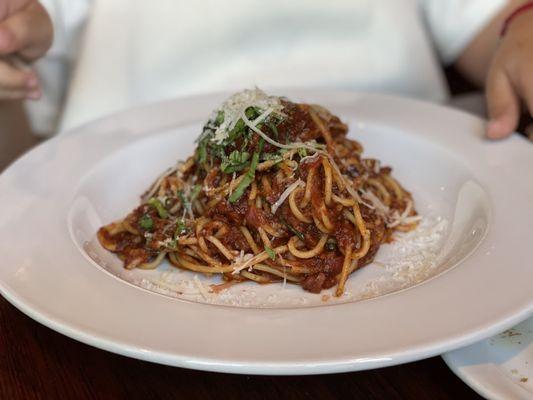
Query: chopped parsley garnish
(299,234)
(202,152)
(181,228)
(278,157)
(274,130)
(186,203)
(226,138)
(271,253)
(146,222)
(236,161)
(159,207)
(219,118)
(331,244)
(195,192)
(237,131)
(249,177)
(252,113)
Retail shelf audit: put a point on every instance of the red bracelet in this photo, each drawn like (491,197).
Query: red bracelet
(514,14)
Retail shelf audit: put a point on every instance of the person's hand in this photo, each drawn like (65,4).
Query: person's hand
(510,78)
(26,34)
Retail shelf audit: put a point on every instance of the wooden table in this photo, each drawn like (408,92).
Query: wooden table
(38,363)
(15,133)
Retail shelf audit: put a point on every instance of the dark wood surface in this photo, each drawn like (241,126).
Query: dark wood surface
(15,133)
(38,363)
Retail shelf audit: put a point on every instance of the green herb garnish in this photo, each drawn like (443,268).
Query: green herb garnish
(302,152)
(296,232)
(161,211)
(146,222)
(274,130)
(249,177)
(183,200)
(202,152)
(219,118)
(236,161)
(271,253)
(252,113)
(331,244)
(237,131)
(231,149)
(181,228)
(272,156)
(299,234)
(195,192)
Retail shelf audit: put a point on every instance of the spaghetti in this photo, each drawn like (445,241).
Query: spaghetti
(274,192)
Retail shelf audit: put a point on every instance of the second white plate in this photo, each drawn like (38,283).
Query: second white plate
(498,368)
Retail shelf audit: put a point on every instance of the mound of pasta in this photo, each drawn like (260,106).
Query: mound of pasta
(275,191)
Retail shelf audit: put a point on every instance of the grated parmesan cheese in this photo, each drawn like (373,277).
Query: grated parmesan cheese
(241,262)
(201,288)
(235,107)
(376,203)
(168,242)
(404,218)
(410,259)
(286,193)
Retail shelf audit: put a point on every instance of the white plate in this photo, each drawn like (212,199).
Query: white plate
(499,368)
(54,197)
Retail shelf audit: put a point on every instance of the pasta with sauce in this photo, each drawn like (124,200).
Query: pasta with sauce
(274,192)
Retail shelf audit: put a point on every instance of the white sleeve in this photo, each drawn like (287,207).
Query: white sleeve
(454,23)
(68,18)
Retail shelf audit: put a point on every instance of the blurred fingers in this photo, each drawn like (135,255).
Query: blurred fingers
(16,83)
(9,7)
(503,105)
(27,33)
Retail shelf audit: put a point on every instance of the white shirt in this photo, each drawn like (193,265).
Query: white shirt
(135,52)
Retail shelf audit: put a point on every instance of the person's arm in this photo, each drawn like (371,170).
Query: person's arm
(25,35)
(504,66)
